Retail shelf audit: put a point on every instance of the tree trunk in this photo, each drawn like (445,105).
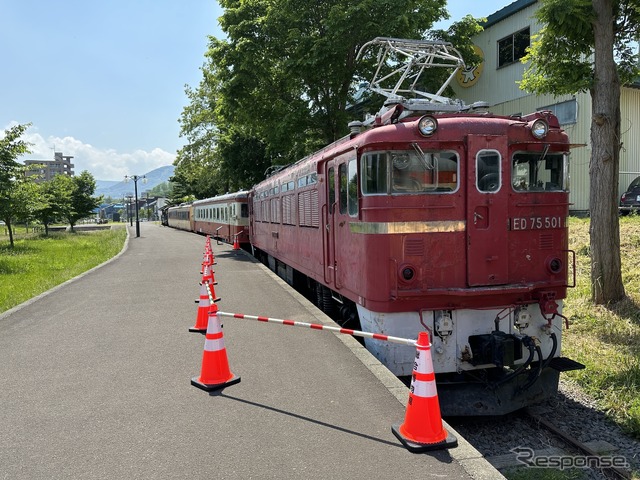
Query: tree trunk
(8,224)
(606,276)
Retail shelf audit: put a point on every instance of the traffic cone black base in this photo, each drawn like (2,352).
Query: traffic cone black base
(450,442)
(218,386)
(203,331)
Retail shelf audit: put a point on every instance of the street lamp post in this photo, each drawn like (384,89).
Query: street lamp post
(130,209)
(135,179)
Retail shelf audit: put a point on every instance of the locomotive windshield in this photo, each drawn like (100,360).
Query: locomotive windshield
(539,171)
(403,171)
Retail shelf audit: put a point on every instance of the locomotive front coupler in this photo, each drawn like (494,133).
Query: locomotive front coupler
(499,348)
(528,342)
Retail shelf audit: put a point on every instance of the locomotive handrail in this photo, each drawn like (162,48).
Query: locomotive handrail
(573,254)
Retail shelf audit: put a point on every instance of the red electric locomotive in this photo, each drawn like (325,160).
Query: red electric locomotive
(435,216)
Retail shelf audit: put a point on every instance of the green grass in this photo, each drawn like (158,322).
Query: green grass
(607,338)
(38,263)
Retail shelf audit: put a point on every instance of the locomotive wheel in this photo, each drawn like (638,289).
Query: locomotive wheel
(324,300)
(319,297)
(328,306)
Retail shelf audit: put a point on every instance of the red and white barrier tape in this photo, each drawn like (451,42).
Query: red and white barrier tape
(316,326)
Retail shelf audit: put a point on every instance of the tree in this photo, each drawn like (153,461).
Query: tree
(163,189)
(586,46)
(279,86)
(288,67)
(56,200)
(82,202)
(15,202)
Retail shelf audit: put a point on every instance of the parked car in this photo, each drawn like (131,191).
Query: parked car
(630,200)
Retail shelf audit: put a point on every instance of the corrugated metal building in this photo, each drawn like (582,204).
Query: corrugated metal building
(506,34)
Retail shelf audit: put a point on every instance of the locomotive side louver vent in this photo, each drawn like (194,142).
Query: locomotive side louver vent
(546,241)
(414,247)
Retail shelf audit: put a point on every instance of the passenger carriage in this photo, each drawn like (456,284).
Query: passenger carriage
(180,217)
(225,217)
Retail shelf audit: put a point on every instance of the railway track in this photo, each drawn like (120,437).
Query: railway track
(566,433)
(605,464)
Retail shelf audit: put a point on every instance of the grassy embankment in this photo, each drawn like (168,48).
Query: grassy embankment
(38,263)
(607,338)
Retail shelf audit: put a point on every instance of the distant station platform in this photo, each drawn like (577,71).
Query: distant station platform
(95,381)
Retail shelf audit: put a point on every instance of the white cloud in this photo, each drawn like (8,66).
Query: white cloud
(102,164)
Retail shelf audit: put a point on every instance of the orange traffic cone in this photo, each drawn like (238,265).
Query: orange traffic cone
(215,373)
(207,260)
(422,429)
(207,276)
(236,245)
(207,294)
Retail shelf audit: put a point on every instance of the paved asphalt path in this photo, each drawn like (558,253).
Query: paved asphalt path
(95,381)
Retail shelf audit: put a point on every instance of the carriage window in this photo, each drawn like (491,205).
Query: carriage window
(488,171)
(244,210)
(353,188)
(539,171)
(410,172)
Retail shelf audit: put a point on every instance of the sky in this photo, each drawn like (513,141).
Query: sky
(105,81)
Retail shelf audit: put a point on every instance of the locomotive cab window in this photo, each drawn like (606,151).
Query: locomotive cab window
(332,189)
(352,187)
(348,188)
(409,172)
(488,171)
(342,174)
(539,171)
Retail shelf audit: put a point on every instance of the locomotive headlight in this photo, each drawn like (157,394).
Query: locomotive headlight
(554,265)
(407,273)
(427,125)
(539,129)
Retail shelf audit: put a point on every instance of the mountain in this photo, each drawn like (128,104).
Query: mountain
(113,189)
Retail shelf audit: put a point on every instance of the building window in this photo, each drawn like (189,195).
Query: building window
(513,48)
(567,112)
